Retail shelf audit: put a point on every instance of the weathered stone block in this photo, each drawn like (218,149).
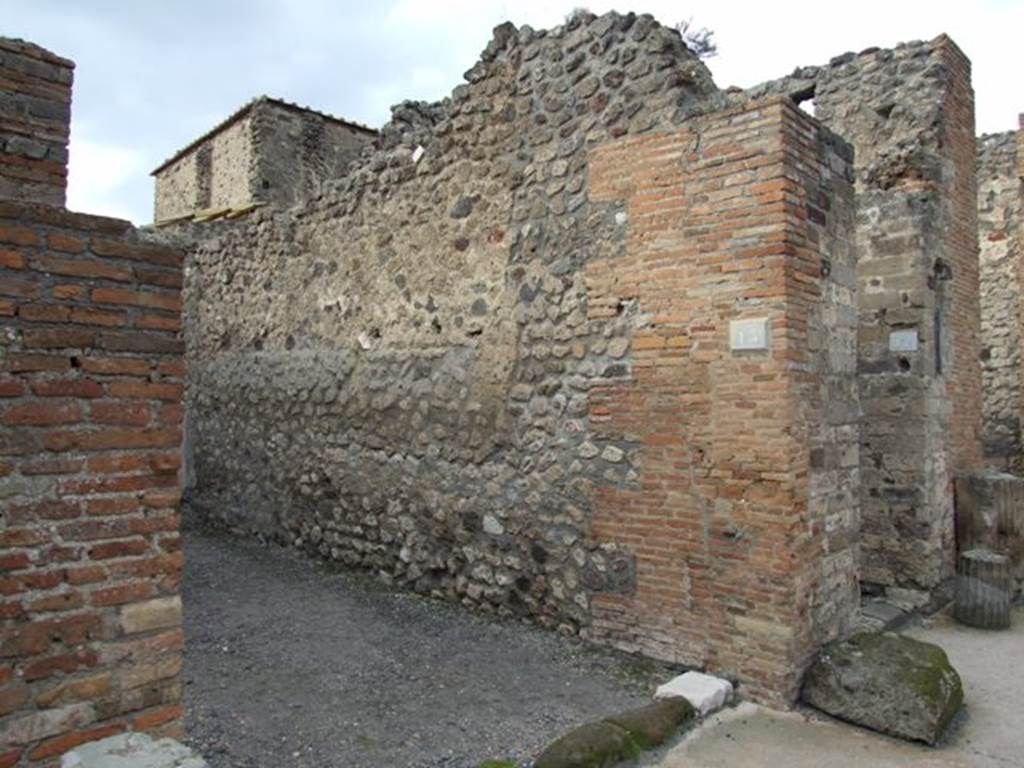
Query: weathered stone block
(651,725)
(152,614)
(132,750)
(888,683)
(705,692)
(594,745)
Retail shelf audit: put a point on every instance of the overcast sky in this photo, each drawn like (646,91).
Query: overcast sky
(154,74)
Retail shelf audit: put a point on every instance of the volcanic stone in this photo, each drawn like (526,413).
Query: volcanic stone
(888,683)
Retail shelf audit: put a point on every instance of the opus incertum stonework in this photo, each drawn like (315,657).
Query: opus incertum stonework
(681,370)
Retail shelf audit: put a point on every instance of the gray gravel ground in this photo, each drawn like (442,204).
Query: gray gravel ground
(292,663)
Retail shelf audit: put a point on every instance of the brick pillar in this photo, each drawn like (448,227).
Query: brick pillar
(960,247)
(744,215)
(35,115)
(91,378)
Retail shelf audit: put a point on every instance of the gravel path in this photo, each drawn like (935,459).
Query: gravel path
(291,663)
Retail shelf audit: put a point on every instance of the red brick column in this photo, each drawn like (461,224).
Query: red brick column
(91,378)
(35,117)
(960,236)
(729,549)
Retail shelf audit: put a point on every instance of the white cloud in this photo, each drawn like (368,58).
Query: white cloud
(149,80)
(101,177)
(424,83)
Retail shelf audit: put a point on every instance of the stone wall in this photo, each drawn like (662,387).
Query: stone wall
(35,113)
(521,394)
(91,379)
(298,151)
(270,151)
(999,232)
(178,190)
(909,114)
(219,172)
(226,167)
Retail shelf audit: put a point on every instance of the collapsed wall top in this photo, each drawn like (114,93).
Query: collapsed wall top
(649,75)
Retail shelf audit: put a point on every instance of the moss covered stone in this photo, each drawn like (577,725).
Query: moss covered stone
(649,726)
(886,682)
(617,738)
(593,745)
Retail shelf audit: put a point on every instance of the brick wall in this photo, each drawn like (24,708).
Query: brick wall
(740,215)
(91,378)
(960,250)
(35,108)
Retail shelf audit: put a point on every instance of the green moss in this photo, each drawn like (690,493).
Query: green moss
(923,667)
(651,725)
(366,742)
(496,764)
(930,675)
(593,745)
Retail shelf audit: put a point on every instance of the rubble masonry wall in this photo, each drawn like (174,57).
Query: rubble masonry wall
(502,374)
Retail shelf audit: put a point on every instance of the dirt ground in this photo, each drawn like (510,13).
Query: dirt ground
(291,663)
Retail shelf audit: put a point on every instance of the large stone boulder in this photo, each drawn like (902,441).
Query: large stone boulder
(888,683)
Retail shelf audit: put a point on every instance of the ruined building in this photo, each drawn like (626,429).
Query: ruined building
(269,151)
(682,370)
(676,368)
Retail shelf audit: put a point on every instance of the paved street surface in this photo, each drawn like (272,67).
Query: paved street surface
(988,734)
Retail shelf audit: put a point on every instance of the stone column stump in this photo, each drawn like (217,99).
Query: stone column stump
(983,590)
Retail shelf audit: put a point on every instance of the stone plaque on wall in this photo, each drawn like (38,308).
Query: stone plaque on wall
(903,340)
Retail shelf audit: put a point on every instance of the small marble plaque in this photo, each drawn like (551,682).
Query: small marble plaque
(747,335)
(903,340)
